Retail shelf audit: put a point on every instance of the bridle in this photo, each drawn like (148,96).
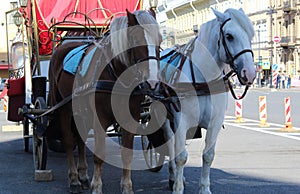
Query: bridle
(231,60)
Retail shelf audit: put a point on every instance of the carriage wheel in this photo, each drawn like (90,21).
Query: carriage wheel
(39,143)
(154,160)
(26,134)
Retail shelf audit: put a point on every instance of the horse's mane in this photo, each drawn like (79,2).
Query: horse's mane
(119,37)
(236,15)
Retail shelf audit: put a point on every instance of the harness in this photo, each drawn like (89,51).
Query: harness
(105,86)
(206,88)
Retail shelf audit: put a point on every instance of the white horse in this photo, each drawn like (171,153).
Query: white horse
(221,41)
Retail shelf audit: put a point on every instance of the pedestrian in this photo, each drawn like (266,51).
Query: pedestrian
(289,80)
(278,81)
(283,81)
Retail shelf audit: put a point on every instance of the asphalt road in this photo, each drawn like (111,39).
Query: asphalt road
(248,160)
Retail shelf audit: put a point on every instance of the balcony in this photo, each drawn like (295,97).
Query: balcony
(288,41)
(289,7)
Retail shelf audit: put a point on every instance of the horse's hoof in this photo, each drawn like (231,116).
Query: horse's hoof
(171,183)
(85,184)
(127,192)
(205,191)
(75,188)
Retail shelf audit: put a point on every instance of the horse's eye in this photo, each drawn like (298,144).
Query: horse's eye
(229,37)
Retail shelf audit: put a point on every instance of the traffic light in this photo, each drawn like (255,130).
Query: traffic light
(260,61)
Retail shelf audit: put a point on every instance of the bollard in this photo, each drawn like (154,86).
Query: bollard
(288,119)
(238,111)
(5,103)
(263,111)
(274,77)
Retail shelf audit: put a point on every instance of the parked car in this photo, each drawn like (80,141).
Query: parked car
(2,84)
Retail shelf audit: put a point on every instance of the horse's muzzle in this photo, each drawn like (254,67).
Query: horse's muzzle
(247,76)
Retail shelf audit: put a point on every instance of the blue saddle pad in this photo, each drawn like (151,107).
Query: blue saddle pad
(169,64)
(74,58)
(87,61)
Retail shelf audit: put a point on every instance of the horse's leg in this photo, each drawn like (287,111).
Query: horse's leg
(69,144)
(213,129)
(127,155)
(82,166)
(169,136)
(180,156)
(208,156)
(99,157)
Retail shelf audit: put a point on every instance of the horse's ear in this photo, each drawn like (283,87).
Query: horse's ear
(152,12)
(220,16)
(241,10)
(132,21)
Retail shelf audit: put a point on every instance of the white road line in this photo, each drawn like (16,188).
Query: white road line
(292,135)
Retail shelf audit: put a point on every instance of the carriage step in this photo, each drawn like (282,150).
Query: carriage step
(43,175)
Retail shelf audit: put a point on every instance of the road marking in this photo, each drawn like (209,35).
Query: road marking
(273,130)
(12,128)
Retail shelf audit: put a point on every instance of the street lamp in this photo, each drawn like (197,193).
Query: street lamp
(17,19)
(153,4)
(23,3)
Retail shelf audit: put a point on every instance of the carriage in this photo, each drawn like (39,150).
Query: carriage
(42,27)
(194,90)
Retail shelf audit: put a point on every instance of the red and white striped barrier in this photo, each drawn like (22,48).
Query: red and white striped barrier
(238,111)
(288,119)
(5,103)
(274,77)
(287,110)
(263,111)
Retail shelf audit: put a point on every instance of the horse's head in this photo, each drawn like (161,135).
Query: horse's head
(236,32)
(140,38)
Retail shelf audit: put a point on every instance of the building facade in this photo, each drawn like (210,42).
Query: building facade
(276,22)
(6,5)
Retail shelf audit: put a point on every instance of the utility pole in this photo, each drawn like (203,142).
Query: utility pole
(259,60)
(271,11)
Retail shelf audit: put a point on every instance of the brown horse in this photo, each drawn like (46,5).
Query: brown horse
(131,49)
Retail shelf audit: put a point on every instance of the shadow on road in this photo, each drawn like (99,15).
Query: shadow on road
(17,176)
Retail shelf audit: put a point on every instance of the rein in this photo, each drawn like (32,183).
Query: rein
(226,79)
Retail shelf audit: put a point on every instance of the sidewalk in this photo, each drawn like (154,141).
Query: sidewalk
(274,89)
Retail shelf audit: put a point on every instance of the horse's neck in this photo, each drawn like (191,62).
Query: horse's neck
(209,36)
(206,60)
